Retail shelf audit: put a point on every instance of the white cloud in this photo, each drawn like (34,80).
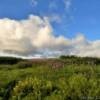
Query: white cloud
(34,37)
(28,37)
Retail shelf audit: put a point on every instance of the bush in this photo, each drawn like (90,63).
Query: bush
(32,86)
(24,64)
(75,87)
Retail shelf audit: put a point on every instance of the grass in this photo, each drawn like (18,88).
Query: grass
(70,77)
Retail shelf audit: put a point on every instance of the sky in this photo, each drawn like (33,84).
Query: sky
(49,28)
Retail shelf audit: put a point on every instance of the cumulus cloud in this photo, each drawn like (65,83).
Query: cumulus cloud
(28,37)
(33,37)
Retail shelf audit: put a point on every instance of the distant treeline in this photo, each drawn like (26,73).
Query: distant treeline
(9,60)
(65,60)
(80,60)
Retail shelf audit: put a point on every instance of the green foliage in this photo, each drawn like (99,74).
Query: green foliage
(24,64)
(37,80)
(9,60)
(37,88)
(74,88)
(80,60)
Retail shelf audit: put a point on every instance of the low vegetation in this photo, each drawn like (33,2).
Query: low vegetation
(64,78)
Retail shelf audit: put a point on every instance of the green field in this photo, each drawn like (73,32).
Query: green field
(47,81)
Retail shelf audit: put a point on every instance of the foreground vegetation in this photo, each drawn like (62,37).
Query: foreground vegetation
(66,78)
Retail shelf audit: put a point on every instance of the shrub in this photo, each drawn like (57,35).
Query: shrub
(37,88)
(24,64)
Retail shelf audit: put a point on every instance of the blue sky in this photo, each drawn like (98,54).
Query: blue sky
(81,16)
(49,28)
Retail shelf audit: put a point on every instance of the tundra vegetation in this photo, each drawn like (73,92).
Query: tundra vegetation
(63,78)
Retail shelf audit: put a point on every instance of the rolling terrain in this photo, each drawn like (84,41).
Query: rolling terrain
(63,78)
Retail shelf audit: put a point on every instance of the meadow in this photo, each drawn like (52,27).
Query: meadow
(64,78)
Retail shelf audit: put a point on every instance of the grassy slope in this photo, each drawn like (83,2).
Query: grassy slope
(71,73)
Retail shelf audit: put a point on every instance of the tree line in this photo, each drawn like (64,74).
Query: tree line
(80,60)
(65,60)
(9,60)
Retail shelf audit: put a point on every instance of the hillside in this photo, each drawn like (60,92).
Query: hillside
(63,78)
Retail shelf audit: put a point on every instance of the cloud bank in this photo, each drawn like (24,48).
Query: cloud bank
(33,37)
